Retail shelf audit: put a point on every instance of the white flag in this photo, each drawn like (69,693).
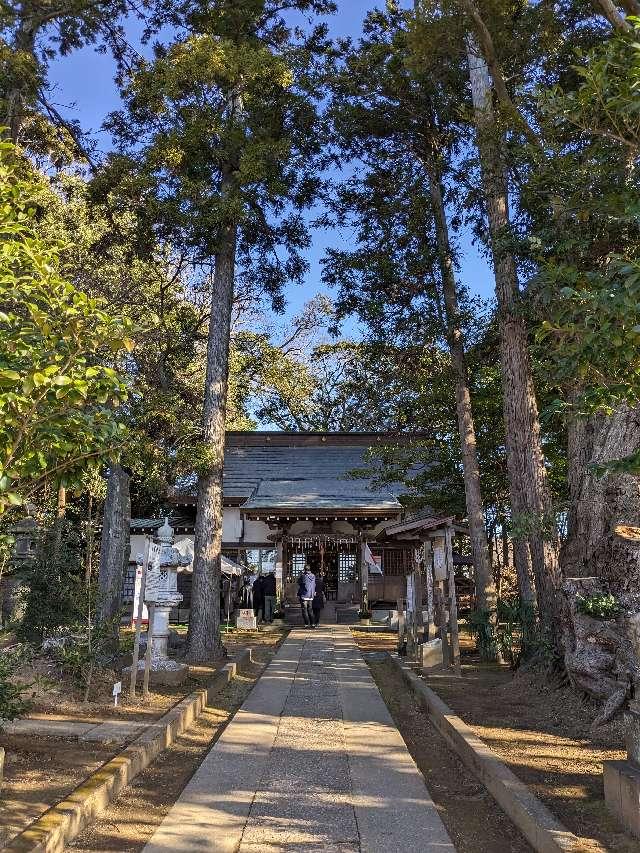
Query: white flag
(370,562)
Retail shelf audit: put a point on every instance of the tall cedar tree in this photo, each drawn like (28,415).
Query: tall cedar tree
(220,135)
(530,495)
(404,131)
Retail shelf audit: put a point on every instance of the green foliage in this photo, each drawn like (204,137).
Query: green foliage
(12,690)
(599,606)
(586,237)
(57,391)
(482,626)
(82,648)
(54,583)
(516,633)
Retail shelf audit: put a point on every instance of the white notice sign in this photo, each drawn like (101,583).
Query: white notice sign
(439,568)
(410,593)
(247,620)
(117,690)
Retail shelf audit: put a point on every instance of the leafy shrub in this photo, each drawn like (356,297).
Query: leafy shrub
(83,648)
(599,606)
(55,590)
(12,690)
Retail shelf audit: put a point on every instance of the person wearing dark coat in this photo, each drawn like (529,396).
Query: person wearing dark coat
(318,600)
(269,592)
(258,598)
(306,592)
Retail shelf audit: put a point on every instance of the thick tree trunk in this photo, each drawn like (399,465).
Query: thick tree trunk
(203,638)
(485,588)
(525,460)
(598,504)
(115,544)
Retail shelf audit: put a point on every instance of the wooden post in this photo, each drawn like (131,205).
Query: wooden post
(147,654)
(364,576)
(138,617)
(428,580)
(453,602)
(439,596)
(401,622)
(418,597)
(411,616)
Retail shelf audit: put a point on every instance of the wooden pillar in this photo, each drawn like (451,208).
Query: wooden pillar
(427,556)
(411,615)
(280,570)
(439,595)
(418,593)
(363,574)
(453,602)
(401,622)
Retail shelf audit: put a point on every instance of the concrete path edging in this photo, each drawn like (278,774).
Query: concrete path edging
(540,827)
(60,824)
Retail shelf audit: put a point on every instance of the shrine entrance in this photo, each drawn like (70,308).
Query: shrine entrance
(334,556)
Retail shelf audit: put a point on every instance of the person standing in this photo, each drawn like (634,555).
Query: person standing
(258,598)
(318,600)
(306,591)
(269,590)
(247,592)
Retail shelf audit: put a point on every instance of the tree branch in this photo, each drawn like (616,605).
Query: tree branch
(612,14)
(489,53)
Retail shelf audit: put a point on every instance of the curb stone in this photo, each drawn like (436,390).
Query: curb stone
(60,824)
(539,826)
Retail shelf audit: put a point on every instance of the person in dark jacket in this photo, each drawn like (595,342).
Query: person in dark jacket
(269,591)
(258,598)
(318,600)
(306,591)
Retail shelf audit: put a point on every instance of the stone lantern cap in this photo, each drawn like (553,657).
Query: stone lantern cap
(170,557)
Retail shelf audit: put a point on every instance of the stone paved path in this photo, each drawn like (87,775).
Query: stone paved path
(311,762)
(108,731)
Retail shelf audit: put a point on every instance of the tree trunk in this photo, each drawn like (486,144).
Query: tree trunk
(115,544)
(485,588)
(522,565)
(612,14)
(599,503)
(203,638)
(17,96)
(525,460)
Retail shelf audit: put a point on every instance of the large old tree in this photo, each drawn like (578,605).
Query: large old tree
(228,131)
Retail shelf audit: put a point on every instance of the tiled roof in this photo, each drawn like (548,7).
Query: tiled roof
(321,493)
(246,468)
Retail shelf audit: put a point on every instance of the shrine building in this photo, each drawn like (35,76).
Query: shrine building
(292,497)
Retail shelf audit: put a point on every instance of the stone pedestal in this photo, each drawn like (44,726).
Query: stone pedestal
(430,654)
(622,793)
(622,778)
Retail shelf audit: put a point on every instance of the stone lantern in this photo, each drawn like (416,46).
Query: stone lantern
(162,595)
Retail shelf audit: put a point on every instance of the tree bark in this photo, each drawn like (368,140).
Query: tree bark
(522,565)
(612,14)
(203,637)
(115,544)
(599,503)
(525,460)
(486,598)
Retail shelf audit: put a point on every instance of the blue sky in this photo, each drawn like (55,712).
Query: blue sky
(84,88)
